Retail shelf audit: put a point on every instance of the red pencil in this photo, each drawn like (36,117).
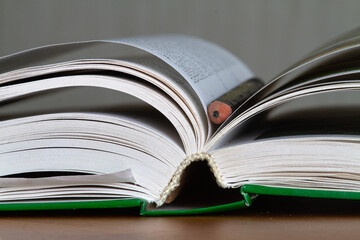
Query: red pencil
(220,109)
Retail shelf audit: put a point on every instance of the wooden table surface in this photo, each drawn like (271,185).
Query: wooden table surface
(270,218)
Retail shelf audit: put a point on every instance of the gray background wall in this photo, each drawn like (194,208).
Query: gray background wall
(268,35)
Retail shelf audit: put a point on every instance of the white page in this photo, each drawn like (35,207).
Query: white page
(123,176)
(208,68)
(205,67)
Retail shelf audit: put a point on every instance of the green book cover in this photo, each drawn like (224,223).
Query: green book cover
(249,193)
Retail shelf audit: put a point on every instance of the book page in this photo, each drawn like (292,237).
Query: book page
(327,65)
(204,71)
(209,69)
(332,56)
(117,177)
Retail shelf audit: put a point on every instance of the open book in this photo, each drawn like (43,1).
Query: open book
(296,136)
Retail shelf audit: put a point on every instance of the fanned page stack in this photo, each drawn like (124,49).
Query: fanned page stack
(154,147)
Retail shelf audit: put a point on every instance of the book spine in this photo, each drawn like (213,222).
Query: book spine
(175,180)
